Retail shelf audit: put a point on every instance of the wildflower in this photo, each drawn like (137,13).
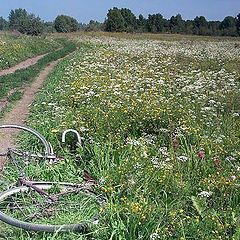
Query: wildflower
(133,142)
(233,177)
(144,154)
(230,159)
(235,114)
(154,236)
(201,154)
(205,194)
(182,158)
(164,151)
(95,222)
(136,207)
(217,161)
(83,129)
(131,181)
(54,130)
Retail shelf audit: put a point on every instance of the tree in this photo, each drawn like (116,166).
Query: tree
(141,23)
(200,26)
(17,19)
(49,27)
(176,24)
(214,28)
(189,26)
(238,24)
(123,19)
(34,25)
(65,24)
(25,23)
(229,26)
(155,23)
(115,21)
(3,24)
(94,26)
(130,20)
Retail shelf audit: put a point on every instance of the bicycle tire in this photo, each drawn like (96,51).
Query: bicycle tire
(78,227)
(47,145)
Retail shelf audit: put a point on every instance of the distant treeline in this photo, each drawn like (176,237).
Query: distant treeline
(122,20)
(119,20)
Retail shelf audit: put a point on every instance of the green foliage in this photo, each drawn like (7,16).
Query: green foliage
(229,26)
(200,25)
(66,24)
(94,26)
(199,204)
(238,23)
(3,24)
(49,27)
(237,234)
(141,23)
(176,24)
(214,28)
(25,23)
(15,96)
(115,21)
(130,21)
(155,23)
(188,26)
(123,20)
(120,20)
(17,18)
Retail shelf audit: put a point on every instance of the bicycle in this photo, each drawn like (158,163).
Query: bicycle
(33,205)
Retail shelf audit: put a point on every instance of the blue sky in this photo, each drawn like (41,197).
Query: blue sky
(84,11)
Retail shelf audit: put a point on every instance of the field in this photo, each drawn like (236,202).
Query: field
(160,122)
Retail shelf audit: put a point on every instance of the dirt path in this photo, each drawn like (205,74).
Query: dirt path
(22,65)
(27,63)
(19,113)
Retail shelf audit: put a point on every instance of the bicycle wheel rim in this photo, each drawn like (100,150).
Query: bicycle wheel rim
(46,144)
(78,227)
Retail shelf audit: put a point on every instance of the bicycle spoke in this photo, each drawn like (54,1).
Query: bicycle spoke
(30,206)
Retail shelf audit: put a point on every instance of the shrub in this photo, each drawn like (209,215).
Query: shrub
(65,23)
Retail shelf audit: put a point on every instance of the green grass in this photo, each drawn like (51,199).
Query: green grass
(14,97)
(14,49)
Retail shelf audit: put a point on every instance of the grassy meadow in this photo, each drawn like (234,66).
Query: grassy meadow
(160,122)
(14,49)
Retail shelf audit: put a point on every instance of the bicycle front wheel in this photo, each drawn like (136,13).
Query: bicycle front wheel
(45,143)
(75,208)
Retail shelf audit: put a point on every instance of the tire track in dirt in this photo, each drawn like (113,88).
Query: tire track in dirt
(20,111)
(24,64)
